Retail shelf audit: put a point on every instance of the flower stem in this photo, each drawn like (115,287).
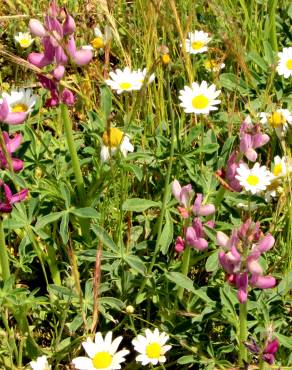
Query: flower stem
(262,365)
(84,223)
(166,190)
(185,268)
(242,333)
(4,261)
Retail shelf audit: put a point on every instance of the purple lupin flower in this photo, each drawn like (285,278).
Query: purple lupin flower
(7,199)
(240,257)
(12,144)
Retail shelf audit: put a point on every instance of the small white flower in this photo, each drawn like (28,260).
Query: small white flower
(213,65)
(151,347)
(20,101)
(254,180)
(113,141)
(102,354)
(41,363)
(281,167)
(140,76)
(197,42)
(24,39)
(125,80)
(199,98)
(284,67)
(279,119)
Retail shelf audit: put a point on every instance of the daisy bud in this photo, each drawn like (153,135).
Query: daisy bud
(37,28)
(130,309)
(263,282)
(165,59)
(266,243)
(222,239)
(69,25)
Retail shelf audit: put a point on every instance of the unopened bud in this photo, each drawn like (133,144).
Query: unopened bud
(130,309)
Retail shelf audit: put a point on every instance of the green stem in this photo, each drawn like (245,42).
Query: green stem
(165,193)
(84,223)
(262,365)
(52,262)
(242,333)
(4,261)
(185,268)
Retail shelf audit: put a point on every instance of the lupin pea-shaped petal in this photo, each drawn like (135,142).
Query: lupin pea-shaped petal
(37,28)
(263,282)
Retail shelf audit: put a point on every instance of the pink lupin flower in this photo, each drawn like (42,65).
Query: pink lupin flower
(195,235)
(242,285)
(202,210)
(12,144)
(270,350)
(232,165)
(8,199)
(179,245)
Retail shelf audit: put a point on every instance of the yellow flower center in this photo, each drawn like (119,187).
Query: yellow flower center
(252,180)
(289,64)
(125,85)
(277,169)
(97,43)
(276,119)
(153,350)
(19,108)
(102,360)
(24,43)
(114,138)
(200,102)
(165,59)
(197,45)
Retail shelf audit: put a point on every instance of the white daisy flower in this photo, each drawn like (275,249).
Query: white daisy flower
(197,42)
(284,67)
(199,98)
(98,42)
(254,180)
(140,75)
(20,101)
(279,119)
(113,141)
(125,80)
(102,354)
(41,363)
(212,65)
(281,166)
(24,39)
(151,347)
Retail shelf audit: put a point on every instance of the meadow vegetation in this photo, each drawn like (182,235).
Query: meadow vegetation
(145,184)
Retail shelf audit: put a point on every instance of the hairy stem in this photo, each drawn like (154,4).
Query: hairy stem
(4,261)
(242,333)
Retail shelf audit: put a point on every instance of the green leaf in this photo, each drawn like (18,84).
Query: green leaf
(104,238)
(43,221)
(136,263)
(136,170)
(285,285)
(234,83)
(209,148)
(105,101)
(86,212)
(167,234)
(269,53)
(257,59)
(212,262)
(284,341)
(64,228)
(181,280)
(139,205)
(111,302)
(184,360)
